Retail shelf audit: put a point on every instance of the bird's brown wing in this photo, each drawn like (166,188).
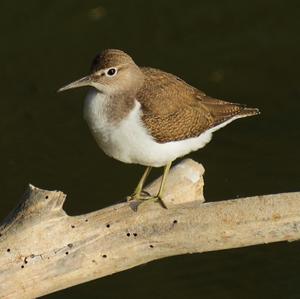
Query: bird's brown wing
(174,110)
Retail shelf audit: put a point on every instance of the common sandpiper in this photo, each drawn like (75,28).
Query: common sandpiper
(147,116)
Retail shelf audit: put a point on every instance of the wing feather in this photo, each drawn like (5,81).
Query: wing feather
(174,110)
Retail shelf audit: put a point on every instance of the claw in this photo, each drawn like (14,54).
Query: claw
(159,199)
(145,193)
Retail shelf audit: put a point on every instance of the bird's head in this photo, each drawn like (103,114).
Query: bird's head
(112,72)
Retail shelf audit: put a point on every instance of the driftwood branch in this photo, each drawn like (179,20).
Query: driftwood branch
(44,250)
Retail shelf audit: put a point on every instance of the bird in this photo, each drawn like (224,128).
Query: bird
(147,116)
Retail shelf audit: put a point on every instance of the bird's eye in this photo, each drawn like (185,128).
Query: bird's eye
(111,72)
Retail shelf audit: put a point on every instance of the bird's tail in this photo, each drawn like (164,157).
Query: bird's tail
(245,111)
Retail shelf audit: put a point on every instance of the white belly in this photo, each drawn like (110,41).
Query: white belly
(130,142)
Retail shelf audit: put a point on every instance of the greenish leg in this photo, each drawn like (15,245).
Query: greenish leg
(137,192)
(163,182)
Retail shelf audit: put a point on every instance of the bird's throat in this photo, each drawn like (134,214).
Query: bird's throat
(100,108)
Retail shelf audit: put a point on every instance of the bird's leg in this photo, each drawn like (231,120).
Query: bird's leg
(137,192)
(163,180)
(162,184)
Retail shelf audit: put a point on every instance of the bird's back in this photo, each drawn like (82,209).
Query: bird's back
(186,111)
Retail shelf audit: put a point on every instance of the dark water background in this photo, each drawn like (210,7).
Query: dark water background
(244,51)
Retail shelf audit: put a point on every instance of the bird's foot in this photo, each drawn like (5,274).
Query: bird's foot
(136,201)
(143,195)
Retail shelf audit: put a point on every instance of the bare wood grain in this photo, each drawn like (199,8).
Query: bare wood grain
(44,250)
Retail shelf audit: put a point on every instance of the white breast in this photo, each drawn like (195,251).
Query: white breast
(129,140)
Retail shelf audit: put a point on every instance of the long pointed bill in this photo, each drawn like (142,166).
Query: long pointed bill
(85,81)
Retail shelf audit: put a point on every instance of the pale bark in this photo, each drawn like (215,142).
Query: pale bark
(44,250)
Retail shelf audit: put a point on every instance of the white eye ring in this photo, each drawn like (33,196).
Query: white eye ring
(111,72)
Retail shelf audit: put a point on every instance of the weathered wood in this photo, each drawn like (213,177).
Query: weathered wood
(44,250)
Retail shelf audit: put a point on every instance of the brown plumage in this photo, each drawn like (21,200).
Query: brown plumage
(110,58)
(174,110)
